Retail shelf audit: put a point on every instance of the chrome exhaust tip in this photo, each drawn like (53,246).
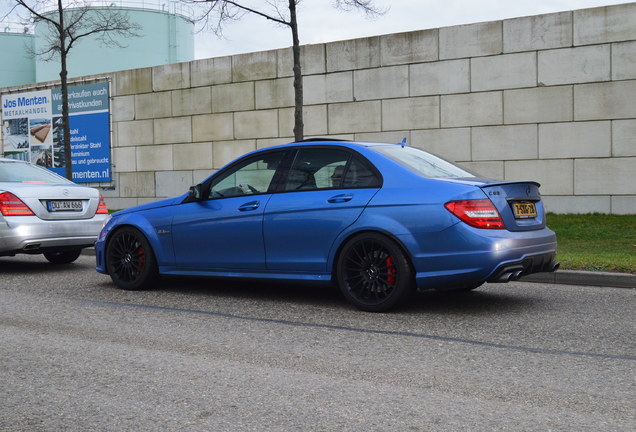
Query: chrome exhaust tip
(506,277)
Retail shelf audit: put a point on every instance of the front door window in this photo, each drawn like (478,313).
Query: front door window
(253,176)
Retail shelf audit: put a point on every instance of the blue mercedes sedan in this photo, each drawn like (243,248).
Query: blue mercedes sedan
(379,220)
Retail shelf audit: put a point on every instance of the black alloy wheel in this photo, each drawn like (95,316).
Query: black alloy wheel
(374,273)
(129,259)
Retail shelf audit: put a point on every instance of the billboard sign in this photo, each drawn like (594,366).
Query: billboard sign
(32,130)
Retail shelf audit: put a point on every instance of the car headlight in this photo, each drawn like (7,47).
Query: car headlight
(104,231)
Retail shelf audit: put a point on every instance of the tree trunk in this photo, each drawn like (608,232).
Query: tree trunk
(66,127)
(298,76)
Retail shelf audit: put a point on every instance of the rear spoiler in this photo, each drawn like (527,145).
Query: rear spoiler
(502,183)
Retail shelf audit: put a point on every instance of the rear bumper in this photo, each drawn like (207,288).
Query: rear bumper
(30,234)
(529,265)
(462,255)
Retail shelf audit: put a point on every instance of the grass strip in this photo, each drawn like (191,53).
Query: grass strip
(595,242)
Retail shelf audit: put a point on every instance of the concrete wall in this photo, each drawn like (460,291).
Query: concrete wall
(550,98)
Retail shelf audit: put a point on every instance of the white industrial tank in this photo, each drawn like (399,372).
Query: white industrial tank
(165,36)
(17,65)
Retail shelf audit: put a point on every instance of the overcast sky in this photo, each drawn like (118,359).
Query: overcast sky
(320,22)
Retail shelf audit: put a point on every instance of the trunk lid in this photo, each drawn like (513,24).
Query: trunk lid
(56,201)
(518,203)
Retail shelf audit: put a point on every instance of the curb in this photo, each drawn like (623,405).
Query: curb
(564,277)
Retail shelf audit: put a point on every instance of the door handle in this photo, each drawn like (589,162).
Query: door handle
(252,205)
(340,198)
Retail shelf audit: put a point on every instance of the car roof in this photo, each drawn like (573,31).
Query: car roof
(13,160)
(340,141)
(336,140)
(329,142)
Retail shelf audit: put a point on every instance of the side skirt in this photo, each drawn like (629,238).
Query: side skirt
(320,277)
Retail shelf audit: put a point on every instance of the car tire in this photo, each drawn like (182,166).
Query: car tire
(374,273)
(130,261)
(62,257)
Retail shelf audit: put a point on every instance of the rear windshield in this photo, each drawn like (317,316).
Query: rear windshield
(27,173)
(421,162)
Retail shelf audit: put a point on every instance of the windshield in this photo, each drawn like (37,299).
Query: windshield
(421,162)
(27,173)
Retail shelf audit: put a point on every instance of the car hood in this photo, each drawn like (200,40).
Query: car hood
(153,205)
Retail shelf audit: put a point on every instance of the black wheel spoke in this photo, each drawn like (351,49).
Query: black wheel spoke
(365,254)
(359,256)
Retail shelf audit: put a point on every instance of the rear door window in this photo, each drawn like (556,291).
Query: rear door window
(326,168)
(316,168)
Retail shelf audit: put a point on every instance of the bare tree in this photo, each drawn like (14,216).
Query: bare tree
(68,23)
(218,12)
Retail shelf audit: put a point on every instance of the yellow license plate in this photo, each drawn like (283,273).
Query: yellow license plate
(524,210)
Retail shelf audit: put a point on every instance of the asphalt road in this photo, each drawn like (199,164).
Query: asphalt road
(77,354)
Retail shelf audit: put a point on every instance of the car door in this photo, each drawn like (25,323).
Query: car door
(224,231)
(324,192)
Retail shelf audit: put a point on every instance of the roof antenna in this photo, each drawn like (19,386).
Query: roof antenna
(403,143)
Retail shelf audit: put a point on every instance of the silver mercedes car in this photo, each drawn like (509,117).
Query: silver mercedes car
(44,213)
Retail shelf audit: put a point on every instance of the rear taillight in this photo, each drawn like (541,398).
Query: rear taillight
(479,213)
(101,207)
(11,205)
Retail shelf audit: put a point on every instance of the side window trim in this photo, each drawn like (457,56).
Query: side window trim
(344,171)
(278,181)
(284,174)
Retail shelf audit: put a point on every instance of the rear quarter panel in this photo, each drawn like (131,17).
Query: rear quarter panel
(410,210)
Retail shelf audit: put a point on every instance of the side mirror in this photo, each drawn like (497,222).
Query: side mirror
(194,194)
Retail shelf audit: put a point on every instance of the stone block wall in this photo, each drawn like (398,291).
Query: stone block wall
(550,98)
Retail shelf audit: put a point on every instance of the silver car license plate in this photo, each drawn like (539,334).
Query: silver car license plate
(64,205)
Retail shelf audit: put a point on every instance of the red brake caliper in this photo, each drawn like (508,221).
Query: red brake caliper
(390,270)
(142,257)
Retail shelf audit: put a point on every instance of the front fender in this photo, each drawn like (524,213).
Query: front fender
(155,226)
